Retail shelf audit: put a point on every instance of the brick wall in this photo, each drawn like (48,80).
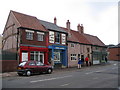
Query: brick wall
(73,50)
(113,53)
(8,65)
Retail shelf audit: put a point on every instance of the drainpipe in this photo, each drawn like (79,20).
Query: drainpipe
(17,46)
(52,59)
(92,53)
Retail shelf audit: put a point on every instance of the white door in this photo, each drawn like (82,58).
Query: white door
(24,56)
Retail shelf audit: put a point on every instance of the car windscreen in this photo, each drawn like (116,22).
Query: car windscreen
(22,64)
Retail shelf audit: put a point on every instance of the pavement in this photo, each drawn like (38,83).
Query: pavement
(12,74)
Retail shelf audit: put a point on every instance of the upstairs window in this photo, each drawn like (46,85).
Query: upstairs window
(40,36)
(72,45)
(88,50)
(29,34)
(57,38)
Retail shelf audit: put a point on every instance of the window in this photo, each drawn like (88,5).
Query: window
(73,57)
(22,64)
(32,55)
(37,56)
(40,36)
(57,37)
(39,64)
(72,45)
(29,35)
(56,56)
(88,50)
(32,63)
(96,48)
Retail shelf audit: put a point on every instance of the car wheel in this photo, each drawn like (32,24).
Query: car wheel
(20,74)
(49,71)
(28,73)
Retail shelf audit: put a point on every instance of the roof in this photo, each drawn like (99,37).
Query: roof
(114,46)
(76,37)
(94,40)
(51,26)
(84,38)
(28,21)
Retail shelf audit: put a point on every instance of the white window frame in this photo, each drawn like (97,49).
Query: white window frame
(73,57)
(38,55)
(40,37)
(29,34)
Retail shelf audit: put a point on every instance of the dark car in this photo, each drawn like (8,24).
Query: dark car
(33,67)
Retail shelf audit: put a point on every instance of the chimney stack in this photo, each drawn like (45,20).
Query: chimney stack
(80,28)
(68,27)
(68,24)
(55,20)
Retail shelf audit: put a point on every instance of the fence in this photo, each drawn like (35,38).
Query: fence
(8,55)
(8,61)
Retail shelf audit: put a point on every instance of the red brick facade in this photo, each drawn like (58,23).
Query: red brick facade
(114,53)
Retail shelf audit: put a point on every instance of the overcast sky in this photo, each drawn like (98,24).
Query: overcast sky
(99,17)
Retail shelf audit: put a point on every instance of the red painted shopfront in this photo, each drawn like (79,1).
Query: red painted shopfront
(34,53)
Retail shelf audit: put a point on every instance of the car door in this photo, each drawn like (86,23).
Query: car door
(32,66)
(40,67)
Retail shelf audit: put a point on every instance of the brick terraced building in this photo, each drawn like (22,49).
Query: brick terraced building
(34,39)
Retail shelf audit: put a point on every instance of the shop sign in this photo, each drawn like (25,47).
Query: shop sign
(51,36)
(59,48)
(63,38)
(96,62)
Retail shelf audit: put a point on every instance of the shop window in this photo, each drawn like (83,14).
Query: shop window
(37,56)
(57,38)
(73,57)
(29,35)
(56,56)
(31,55)
(24,56)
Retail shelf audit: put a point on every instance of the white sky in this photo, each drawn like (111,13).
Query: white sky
(99,17)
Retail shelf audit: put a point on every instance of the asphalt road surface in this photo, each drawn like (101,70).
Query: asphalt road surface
(99,76)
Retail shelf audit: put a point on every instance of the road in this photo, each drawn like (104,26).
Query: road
(99,76)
